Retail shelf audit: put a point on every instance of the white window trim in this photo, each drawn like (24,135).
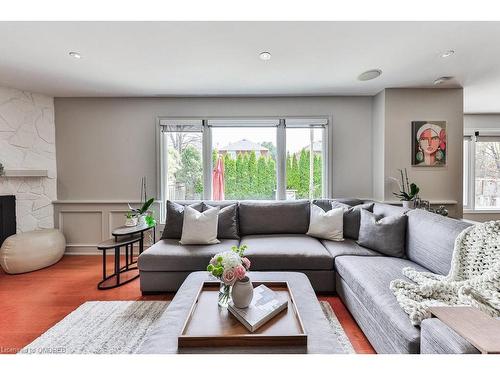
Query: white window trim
(471,196)
(470,174)
(161,152)
(281,161)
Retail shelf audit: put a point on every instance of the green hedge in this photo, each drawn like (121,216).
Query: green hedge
(251,177)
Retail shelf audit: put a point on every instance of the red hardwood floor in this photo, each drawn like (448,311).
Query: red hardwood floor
(33,302)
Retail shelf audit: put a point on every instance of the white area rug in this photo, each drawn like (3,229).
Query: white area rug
(337,328)
(107,327)
(119,327)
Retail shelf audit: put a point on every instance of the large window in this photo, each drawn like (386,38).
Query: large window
(245,159)
(258,158)
(482,172)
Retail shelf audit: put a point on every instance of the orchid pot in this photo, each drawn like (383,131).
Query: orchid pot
(408,204)
(130,221)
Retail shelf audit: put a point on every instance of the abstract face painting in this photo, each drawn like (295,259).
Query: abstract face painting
(428,143)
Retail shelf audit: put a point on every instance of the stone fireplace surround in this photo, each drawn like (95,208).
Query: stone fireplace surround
(27,141)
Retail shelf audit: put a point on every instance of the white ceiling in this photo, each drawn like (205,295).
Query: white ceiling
(221,58)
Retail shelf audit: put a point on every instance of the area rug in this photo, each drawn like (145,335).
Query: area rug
(119,327)
(342,338)
(100,327)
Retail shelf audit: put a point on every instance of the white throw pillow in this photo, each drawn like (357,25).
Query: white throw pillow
(200,228)
(327,225)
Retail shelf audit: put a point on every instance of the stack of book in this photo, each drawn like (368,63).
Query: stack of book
(265,305)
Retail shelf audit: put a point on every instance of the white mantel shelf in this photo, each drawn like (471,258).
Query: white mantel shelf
(25,173)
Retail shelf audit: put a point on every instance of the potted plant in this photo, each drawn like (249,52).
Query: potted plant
(131,219)
(142,212)
(408,192)
(2,170)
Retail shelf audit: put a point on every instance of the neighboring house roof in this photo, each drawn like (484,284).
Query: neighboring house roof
(243,145)
(317,147)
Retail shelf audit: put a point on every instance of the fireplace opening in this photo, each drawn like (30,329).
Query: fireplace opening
(7,216)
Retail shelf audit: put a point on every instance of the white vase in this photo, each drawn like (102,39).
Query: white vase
(242,293)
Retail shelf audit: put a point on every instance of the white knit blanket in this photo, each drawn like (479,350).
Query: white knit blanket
(473,280)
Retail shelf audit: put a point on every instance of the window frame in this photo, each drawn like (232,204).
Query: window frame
(325,153)
(470,134)
(161,152)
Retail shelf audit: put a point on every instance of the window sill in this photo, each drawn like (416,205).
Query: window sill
(483,211)
(432,202)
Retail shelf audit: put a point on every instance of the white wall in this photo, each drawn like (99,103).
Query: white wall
(378,141)
(400,108)
(27,141)
(106,144)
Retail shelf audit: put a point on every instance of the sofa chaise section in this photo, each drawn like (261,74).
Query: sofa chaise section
(363,284)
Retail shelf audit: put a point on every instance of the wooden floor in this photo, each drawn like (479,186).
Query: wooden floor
(33,302)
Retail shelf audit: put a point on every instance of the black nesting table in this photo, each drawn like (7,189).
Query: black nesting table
(123,237)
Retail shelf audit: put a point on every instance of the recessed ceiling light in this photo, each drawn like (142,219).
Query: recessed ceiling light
(369,74)
(441,80)
(447,53)
(265,56)
(76,55)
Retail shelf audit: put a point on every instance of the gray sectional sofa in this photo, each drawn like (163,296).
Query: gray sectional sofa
(275,233)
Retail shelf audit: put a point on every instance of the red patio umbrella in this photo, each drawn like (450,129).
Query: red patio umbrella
(218,181)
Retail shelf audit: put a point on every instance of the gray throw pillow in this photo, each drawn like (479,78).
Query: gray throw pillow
(326,204)
(352,217)
(175,219)
(228,226)
(383,234)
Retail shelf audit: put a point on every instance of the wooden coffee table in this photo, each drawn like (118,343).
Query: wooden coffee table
(321,338)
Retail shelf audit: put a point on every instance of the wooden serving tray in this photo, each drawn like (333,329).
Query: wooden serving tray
(208,325)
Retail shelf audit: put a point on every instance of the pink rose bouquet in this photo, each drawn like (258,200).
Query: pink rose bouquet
(229,266)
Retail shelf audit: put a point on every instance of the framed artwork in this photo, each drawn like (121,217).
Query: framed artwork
(428,143)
